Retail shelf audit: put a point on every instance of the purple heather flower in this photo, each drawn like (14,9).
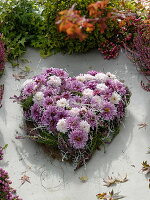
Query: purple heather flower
(108,111)
(35,112)
(78,138)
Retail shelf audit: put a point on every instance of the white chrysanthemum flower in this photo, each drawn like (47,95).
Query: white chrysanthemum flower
(110,75)
(54,80)
(88,77)
(97,99)
(62,125)
(101,86)
(115,98)
(38,97)
(85,126)
(28,81)
(81,78)
(62,103)
(101,77)
(87,92)
(74,111)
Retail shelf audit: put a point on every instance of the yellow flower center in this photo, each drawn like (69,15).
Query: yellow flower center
(107,109)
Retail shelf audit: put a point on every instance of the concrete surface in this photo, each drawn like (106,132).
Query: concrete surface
(52,180)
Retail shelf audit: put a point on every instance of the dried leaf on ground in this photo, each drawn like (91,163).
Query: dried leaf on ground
(142,125)
(24,179)
(83,178)
(148,150)
(110,196)
(146,167)
(19,76)
(114,180)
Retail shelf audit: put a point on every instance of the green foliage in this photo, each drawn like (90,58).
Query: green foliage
(26,104)
(47,138)
(21,25)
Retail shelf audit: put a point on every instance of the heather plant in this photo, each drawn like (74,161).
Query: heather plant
(56,38)
(2,56)
(6,191)
(73,116)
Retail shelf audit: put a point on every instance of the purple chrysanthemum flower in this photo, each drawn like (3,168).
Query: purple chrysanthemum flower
(108,111)
(91,84)
(29,89)
(48,101)
(78,139)
(119,87)
(61,113)
(74,85)
(73,122)
(92,72)
(35,112)
(40,79)
(49,115)
(91,118)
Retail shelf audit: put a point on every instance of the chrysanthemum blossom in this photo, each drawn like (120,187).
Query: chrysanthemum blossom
(88,77)
(62,126)
(108,111)
(62,103)
(87,92)
(54,80)
(97,99)
(115,98)
(38,97)
(78,139)
(110,75)
(74,111)
(28,81)
(101,77)
(85,126)
(101,86)
(81,78)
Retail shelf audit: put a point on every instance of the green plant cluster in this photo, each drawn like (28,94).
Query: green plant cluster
(32,23)
(20,24)
(57,41)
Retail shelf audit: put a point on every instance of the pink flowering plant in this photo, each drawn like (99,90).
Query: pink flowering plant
(6,191)
(2,55)
(73,115)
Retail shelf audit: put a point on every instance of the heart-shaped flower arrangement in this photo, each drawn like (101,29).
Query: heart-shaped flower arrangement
(73,116)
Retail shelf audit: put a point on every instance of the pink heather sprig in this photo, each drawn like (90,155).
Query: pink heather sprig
(6,192)
(109,49)
(1,153)
(2,55)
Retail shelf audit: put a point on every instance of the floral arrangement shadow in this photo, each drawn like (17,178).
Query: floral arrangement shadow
(73,116)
